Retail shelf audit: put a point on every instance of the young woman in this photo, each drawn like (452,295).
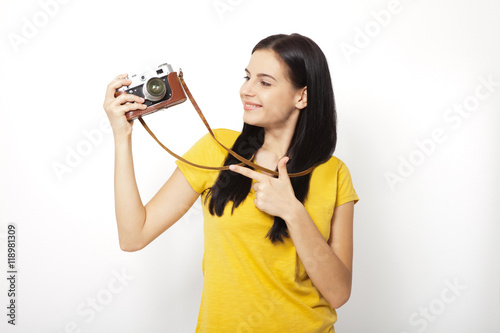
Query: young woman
(278,249)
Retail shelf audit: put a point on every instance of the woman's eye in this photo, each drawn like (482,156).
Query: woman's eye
(264,83)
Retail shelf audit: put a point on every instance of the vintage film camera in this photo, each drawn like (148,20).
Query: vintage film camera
(160,87)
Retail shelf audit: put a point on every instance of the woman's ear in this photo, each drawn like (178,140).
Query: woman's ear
(302,102)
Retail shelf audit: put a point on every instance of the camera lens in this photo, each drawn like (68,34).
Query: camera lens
(154,89)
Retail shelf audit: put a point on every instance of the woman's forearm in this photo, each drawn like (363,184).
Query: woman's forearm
(325,269)
(129,209)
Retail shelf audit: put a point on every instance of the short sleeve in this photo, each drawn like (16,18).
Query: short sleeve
(203,152)
(345,188)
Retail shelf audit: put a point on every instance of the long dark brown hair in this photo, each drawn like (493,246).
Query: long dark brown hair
(314,138)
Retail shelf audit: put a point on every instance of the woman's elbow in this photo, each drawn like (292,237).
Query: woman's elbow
(339,298)
(130,246)
(338,302)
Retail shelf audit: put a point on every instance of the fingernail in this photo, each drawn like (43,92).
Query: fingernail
(232,167)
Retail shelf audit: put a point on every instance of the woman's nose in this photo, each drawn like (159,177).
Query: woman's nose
(247,89)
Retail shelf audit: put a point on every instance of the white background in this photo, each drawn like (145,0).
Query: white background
(426,248)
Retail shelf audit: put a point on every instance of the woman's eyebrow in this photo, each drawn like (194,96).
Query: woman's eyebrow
(262,74)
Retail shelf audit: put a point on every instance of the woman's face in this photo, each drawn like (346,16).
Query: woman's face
(268,96)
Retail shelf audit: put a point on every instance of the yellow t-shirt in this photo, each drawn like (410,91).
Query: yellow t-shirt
(250,284)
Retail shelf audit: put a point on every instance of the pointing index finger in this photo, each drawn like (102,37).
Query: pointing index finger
(247,172)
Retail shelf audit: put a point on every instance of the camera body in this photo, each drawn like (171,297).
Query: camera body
(159,87)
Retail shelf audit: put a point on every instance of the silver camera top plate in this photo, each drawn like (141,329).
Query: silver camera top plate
(139,79)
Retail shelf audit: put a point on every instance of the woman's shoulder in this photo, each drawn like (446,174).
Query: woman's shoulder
(226,133)
(333,163)
(334,168)
(225,136)
(334,172)
(212,146)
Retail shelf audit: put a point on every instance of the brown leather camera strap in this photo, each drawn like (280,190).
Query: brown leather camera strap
(226,167)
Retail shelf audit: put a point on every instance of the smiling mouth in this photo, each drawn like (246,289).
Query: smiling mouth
(251,106)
